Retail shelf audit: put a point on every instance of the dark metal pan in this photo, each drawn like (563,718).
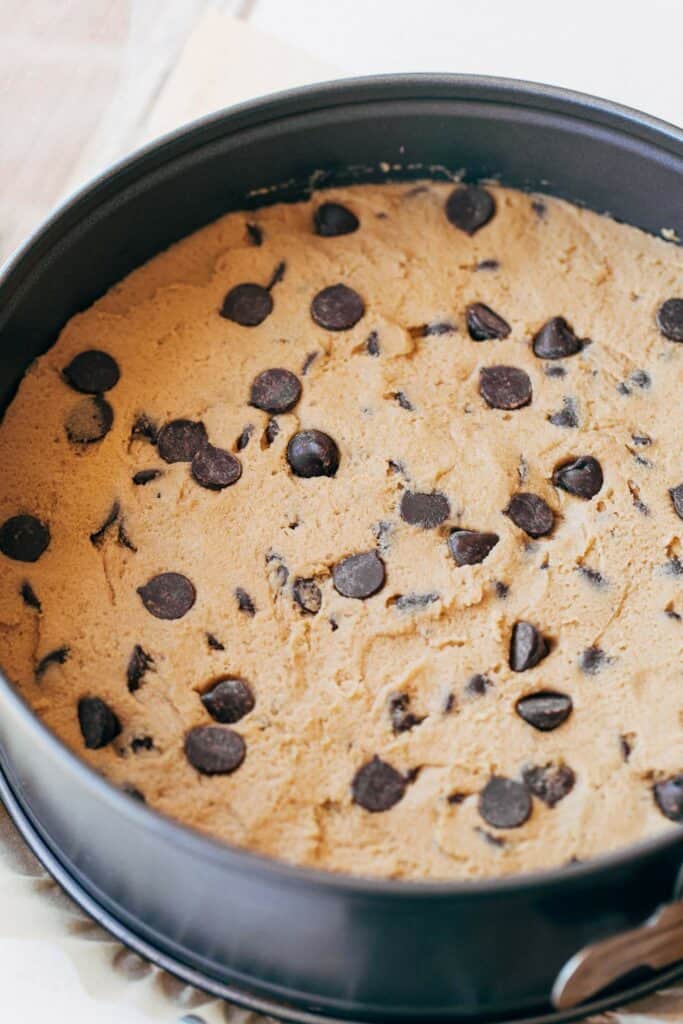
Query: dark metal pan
(301,944)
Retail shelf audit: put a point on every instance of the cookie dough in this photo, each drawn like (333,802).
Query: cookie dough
(351,532)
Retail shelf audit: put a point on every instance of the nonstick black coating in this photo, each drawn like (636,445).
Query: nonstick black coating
(354,948)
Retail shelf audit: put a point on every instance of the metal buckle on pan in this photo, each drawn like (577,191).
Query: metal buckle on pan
(657,943)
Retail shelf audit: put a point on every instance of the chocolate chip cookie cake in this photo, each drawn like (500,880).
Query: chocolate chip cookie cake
(351,532)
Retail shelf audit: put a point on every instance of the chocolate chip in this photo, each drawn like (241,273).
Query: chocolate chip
(228,700)
(409,602)
(483,324)
(402,719)
(670,319)
(144,429)
(89,421)
(271,432)
(138,664)
(99,725)
(307,595)
(527,647)
(592,660)
(581,477)
(139,743)
(332,219)
(426,509)
(469,547)
(29,597)
(545,710)
(145,476)
(668,795)
(337,308)
(24,538)
(214,750)
(502,589)
(505,387)
(549,783)
(277,275)
(214,468)
(312,453)
(477,685)
(555,371)
(531,513)
(377,786)
(214,643)
(247,305)
(56,657)
(556,340)
(275,391)
(469,207)
(254,233)
(568,416)
(244,438)
(308,362)
(539,207)
(360,575)
(403,401)
(180,440)
(592,575)
(626,746)
(98,535)
(168,595)
(487,265)
(372,344)
(504,803)
(92,372)
(436,329)
(677,499)
(244,602)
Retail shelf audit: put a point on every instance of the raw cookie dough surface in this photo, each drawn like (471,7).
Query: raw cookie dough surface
(469,782)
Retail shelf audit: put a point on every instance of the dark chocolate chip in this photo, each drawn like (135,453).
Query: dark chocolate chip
(214,643)
(477,685)
(641,379)
(244,438)
(312,453)
(307,595)
(271,432)
(469,547)
(592,660)
(469,207)
(277,275)
(133,792)
(677,499)
(427,509)
(626,746)
(539,207)
(409,602)
(359,576)
(215,468)
(670,319)
(581,477)
(56,657)
(337,308)
(668,794)
(568,416)
(592,575)
(403,401)
(531,513)
(377,786)
(504,803)
(139,743)
(275,391)
(214,750)
(332,219)
(502,589)
(483,324)
(168,595)
(228,700)
(244,602)
(92,372)
(247,305)
(556,340)
(180,440)
(372,344)
(24,538)
(29,597)
(254,233)
(98,535)
(99,725)
(674,567)
(145,476)
(402,719)
(138,664)
(89,421)
(505,387)
(545,710)
(144,429)
(555,371)
(487,265)
(527,647)
(308,362)
(549,783)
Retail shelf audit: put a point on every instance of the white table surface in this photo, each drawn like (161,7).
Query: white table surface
(84,81)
